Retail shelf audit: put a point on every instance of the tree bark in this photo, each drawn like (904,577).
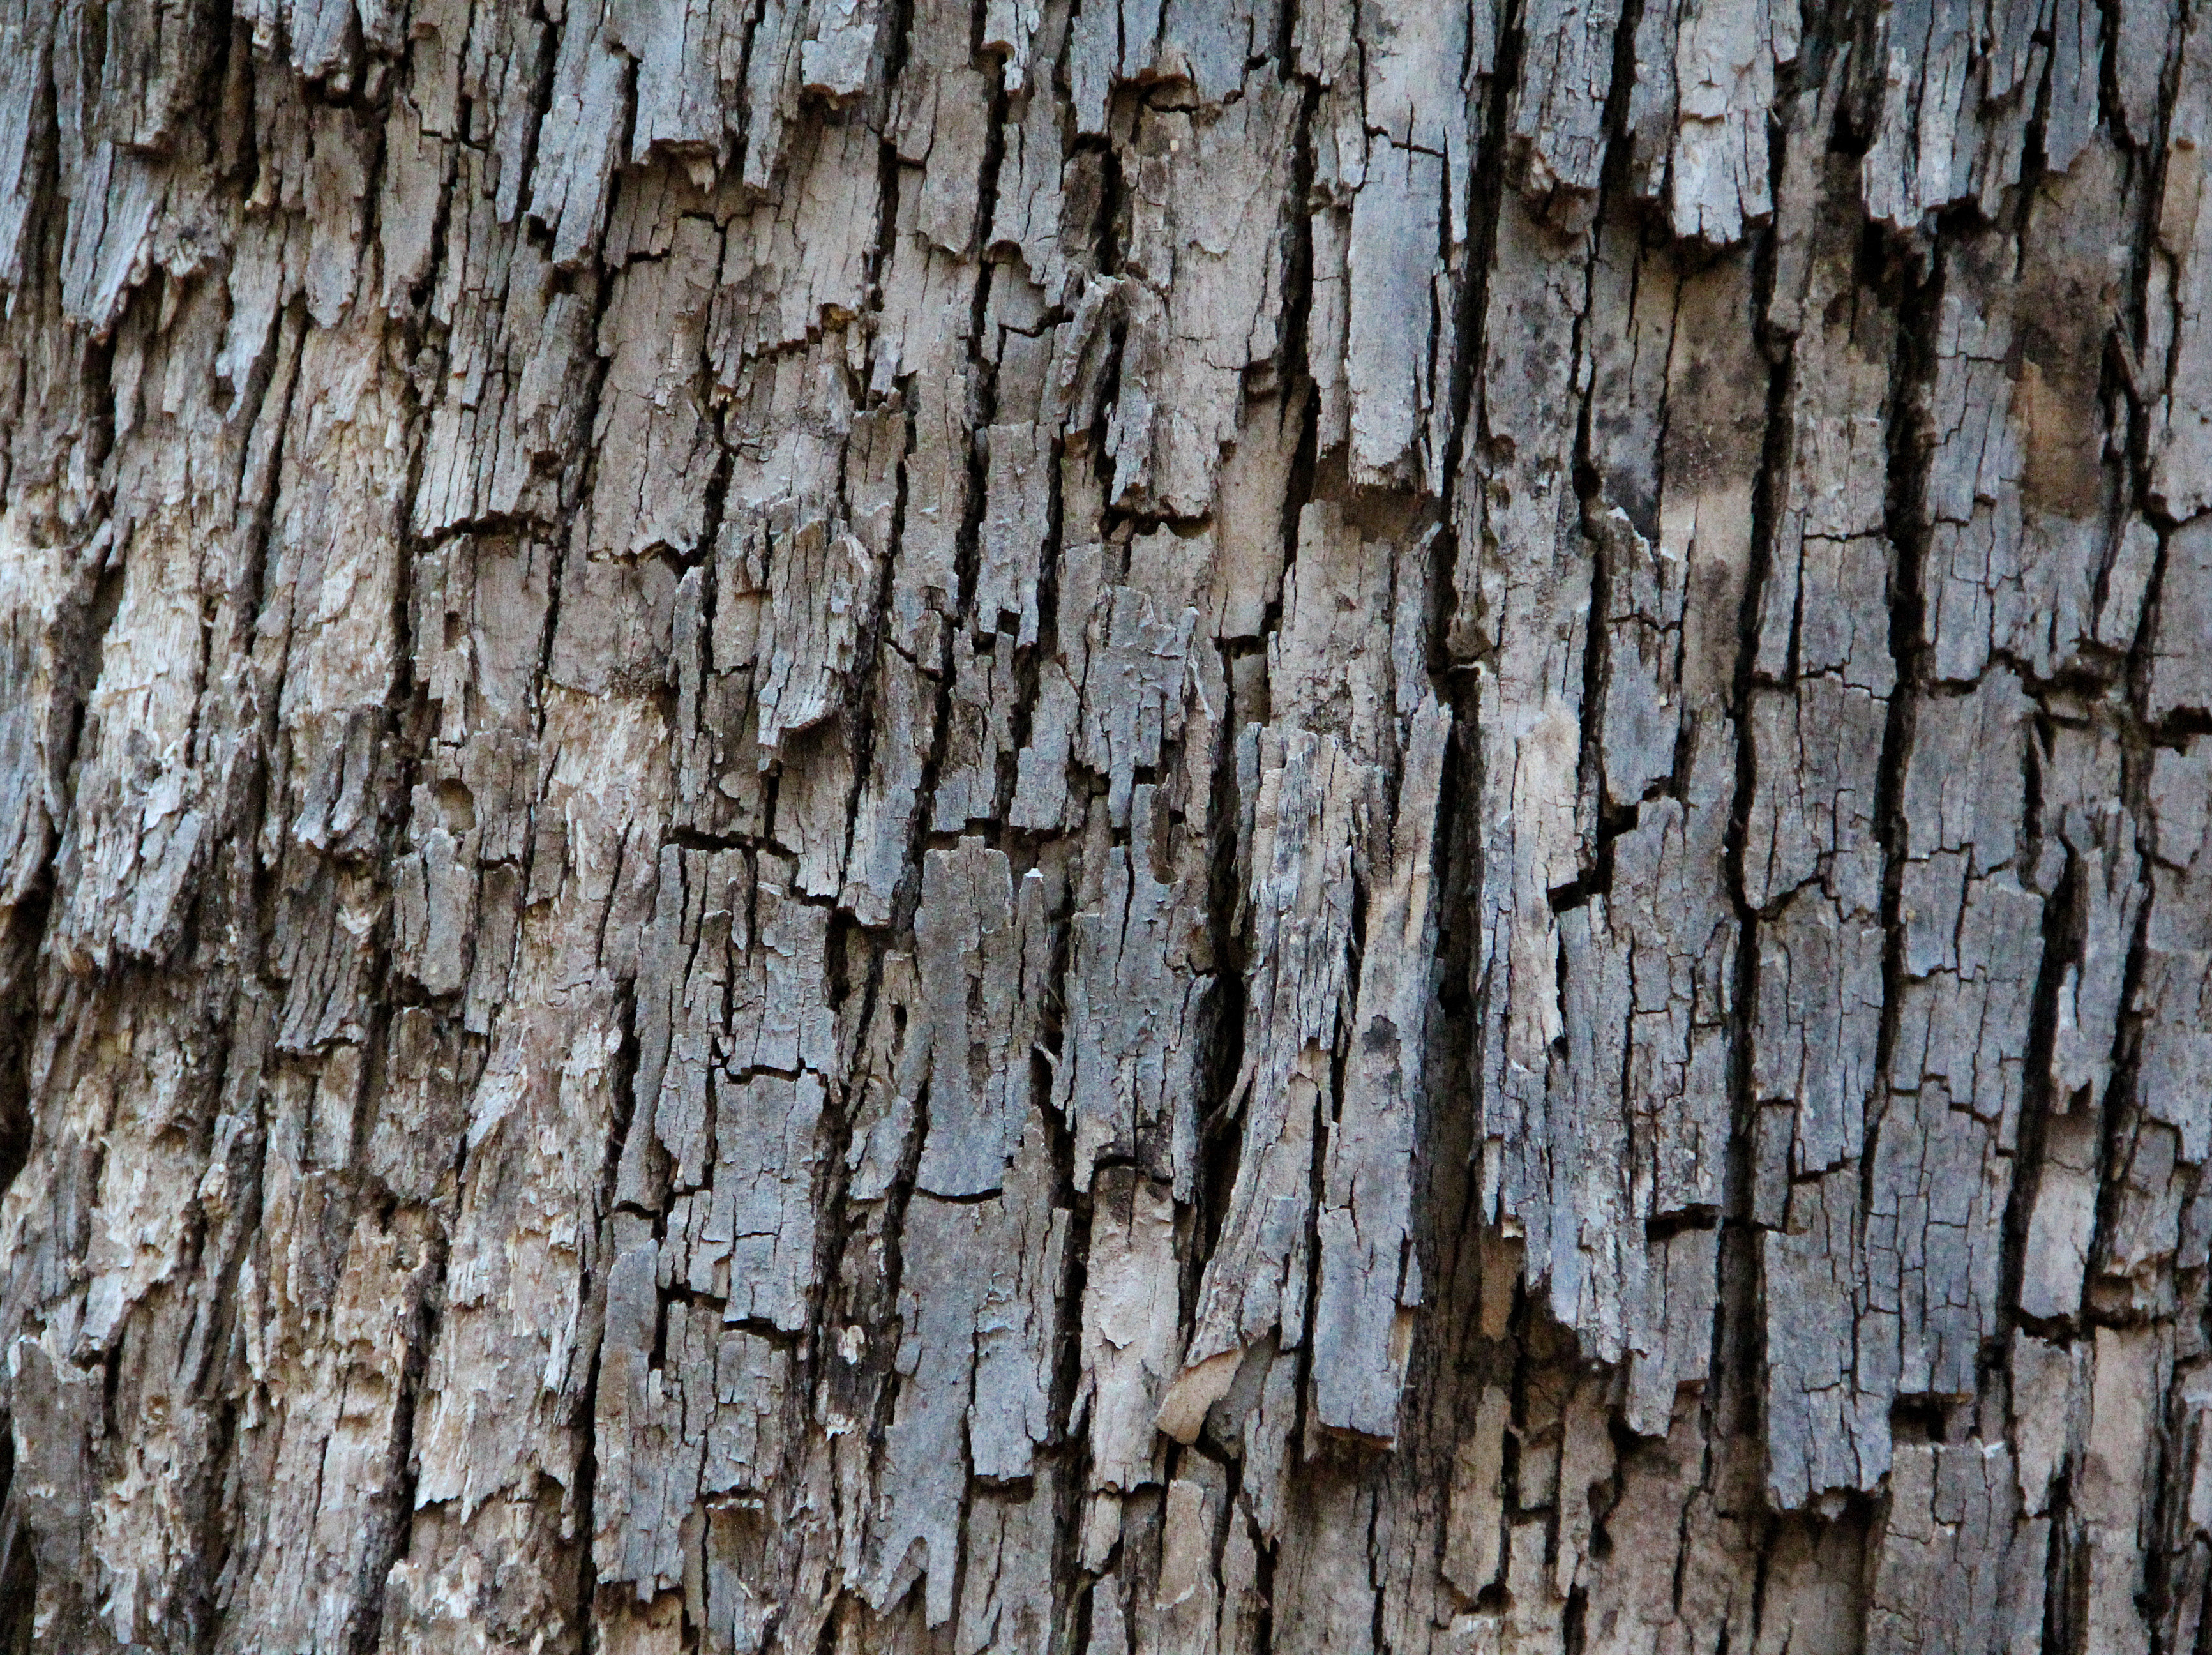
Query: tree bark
(1227,828)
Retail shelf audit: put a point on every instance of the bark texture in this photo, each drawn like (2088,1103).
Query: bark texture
(1106,827)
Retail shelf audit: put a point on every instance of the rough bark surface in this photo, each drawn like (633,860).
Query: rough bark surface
(1106,827)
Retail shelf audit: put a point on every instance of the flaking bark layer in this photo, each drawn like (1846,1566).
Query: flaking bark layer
(1106,827)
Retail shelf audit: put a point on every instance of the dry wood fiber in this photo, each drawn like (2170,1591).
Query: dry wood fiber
(1106,827)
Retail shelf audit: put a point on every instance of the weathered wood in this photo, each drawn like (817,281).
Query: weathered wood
(1123,827)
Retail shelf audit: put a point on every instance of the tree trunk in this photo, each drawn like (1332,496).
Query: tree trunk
(1242,828)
